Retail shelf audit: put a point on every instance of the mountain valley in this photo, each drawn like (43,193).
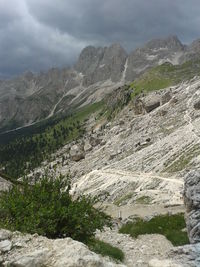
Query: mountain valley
(126,129)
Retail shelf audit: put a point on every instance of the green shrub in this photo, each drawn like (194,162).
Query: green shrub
(169,226)
(45,208)
(106,249)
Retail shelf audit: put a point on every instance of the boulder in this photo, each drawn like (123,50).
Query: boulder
(5,234)
(77,152)
(151,102)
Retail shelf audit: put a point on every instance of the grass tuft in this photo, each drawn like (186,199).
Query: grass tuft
(170,226)
(106,249)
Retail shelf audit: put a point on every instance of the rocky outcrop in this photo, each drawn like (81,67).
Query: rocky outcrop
(187,256)
(23,250)
(4,184)
(192,203)
(77,152)
(151,102)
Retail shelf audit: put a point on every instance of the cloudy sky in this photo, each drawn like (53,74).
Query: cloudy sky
(40,34)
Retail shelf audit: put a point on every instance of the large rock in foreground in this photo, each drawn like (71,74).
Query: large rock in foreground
(36,251)
(192,203)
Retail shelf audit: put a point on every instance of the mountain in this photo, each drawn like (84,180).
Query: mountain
(131,150)
(34,97)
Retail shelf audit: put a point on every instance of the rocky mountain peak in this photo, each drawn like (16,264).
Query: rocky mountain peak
(28,75)
(171,42)
(195,46)
(100,64)
(89,59)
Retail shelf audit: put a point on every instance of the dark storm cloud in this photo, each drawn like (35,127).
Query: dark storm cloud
(38,34)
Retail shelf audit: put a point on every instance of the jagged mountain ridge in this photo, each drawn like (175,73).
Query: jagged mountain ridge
(30,98)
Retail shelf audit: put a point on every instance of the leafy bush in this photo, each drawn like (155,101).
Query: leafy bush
(169,226)
(106,249)
(49,210)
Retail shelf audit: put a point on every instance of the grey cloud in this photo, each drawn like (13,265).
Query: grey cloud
(38,34)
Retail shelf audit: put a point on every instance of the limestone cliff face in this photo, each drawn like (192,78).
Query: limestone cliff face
(192,202)
(100,64)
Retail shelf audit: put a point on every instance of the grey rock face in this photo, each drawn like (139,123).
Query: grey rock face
(154,53)
(192,203)
(166,98)
(192,52)
(40,251)
(101,64)
(5,245)
(171,42)
(27,99)
(89,59)
(35,259)
(188,255)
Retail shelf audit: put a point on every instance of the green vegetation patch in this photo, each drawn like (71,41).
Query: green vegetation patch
(165,75)
(24,154)
(143,200)
(170,226)
(45,208)
(106,249)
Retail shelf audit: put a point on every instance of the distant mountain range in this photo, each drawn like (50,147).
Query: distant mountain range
(34,97)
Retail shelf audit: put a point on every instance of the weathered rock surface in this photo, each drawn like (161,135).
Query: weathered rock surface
(37,251)
(163,263)
(5,245)
(122,187)
(192,202)
(187,256)
(4,184)
(100,64)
